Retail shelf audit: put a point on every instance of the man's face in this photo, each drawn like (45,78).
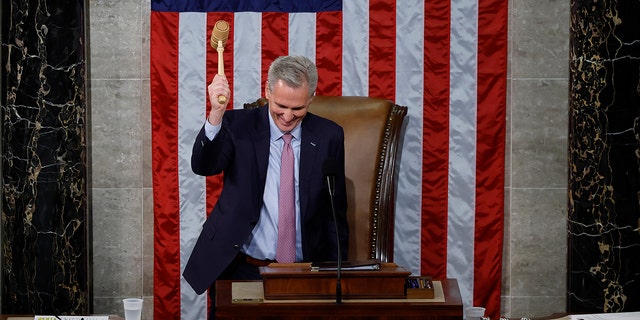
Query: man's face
(287,105)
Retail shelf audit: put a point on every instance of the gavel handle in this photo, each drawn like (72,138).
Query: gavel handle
(221,99)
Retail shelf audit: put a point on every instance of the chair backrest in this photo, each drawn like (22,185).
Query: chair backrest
(373,131)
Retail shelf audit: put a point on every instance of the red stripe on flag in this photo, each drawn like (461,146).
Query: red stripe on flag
(435,147)
(275,28)
(492,57)
(329,52)
(164,120)
(382,49)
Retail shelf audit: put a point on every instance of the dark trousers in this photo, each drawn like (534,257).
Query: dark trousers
(239,269)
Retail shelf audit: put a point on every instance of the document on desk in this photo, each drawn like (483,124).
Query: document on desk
(358,265)
(607,316)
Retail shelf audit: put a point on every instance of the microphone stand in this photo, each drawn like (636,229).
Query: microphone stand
(335,223)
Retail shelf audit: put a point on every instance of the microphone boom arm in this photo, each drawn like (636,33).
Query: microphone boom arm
(339,258)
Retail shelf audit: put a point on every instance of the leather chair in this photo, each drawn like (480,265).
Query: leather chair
(373,132)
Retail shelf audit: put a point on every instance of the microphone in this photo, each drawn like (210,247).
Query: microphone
(219,36)
(329,169)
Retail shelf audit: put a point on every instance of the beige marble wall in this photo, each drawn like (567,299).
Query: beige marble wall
(534,278)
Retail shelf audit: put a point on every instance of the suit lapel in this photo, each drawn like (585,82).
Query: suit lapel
(308,160)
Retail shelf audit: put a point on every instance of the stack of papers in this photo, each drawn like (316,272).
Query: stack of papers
(346,265)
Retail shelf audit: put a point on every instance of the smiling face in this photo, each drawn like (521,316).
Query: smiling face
(287,105)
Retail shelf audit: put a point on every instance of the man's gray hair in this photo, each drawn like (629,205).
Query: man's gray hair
(295,71)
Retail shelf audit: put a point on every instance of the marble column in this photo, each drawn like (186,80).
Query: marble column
(604,157)
(45,251)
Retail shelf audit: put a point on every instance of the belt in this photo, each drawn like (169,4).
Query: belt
(253,261)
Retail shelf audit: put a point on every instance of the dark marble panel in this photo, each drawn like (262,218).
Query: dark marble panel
(604,157)
(45,255)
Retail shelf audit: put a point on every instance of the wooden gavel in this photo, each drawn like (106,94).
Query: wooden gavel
(219,36)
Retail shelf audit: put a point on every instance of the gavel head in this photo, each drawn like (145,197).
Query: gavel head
(220,32)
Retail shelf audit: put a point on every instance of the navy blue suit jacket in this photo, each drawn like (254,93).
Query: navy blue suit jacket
(241,152)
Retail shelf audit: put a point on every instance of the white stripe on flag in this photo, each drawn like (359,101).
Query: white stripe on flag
(409,92)
(191,114)
(355,48)
(302,24)
(462,145)
(247,81)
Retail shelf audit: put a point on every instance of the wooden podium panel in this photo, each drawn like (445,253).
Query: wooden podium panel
(449,309)
(297,281)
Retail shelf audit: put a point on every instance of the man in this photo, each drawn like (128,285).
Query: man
(242,231)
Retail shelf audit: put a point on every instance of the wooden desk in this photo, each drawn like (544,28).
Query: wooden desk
(451,308)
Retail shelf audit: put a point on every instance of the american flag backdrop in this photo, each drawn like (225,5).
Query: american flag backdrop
(445,60)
